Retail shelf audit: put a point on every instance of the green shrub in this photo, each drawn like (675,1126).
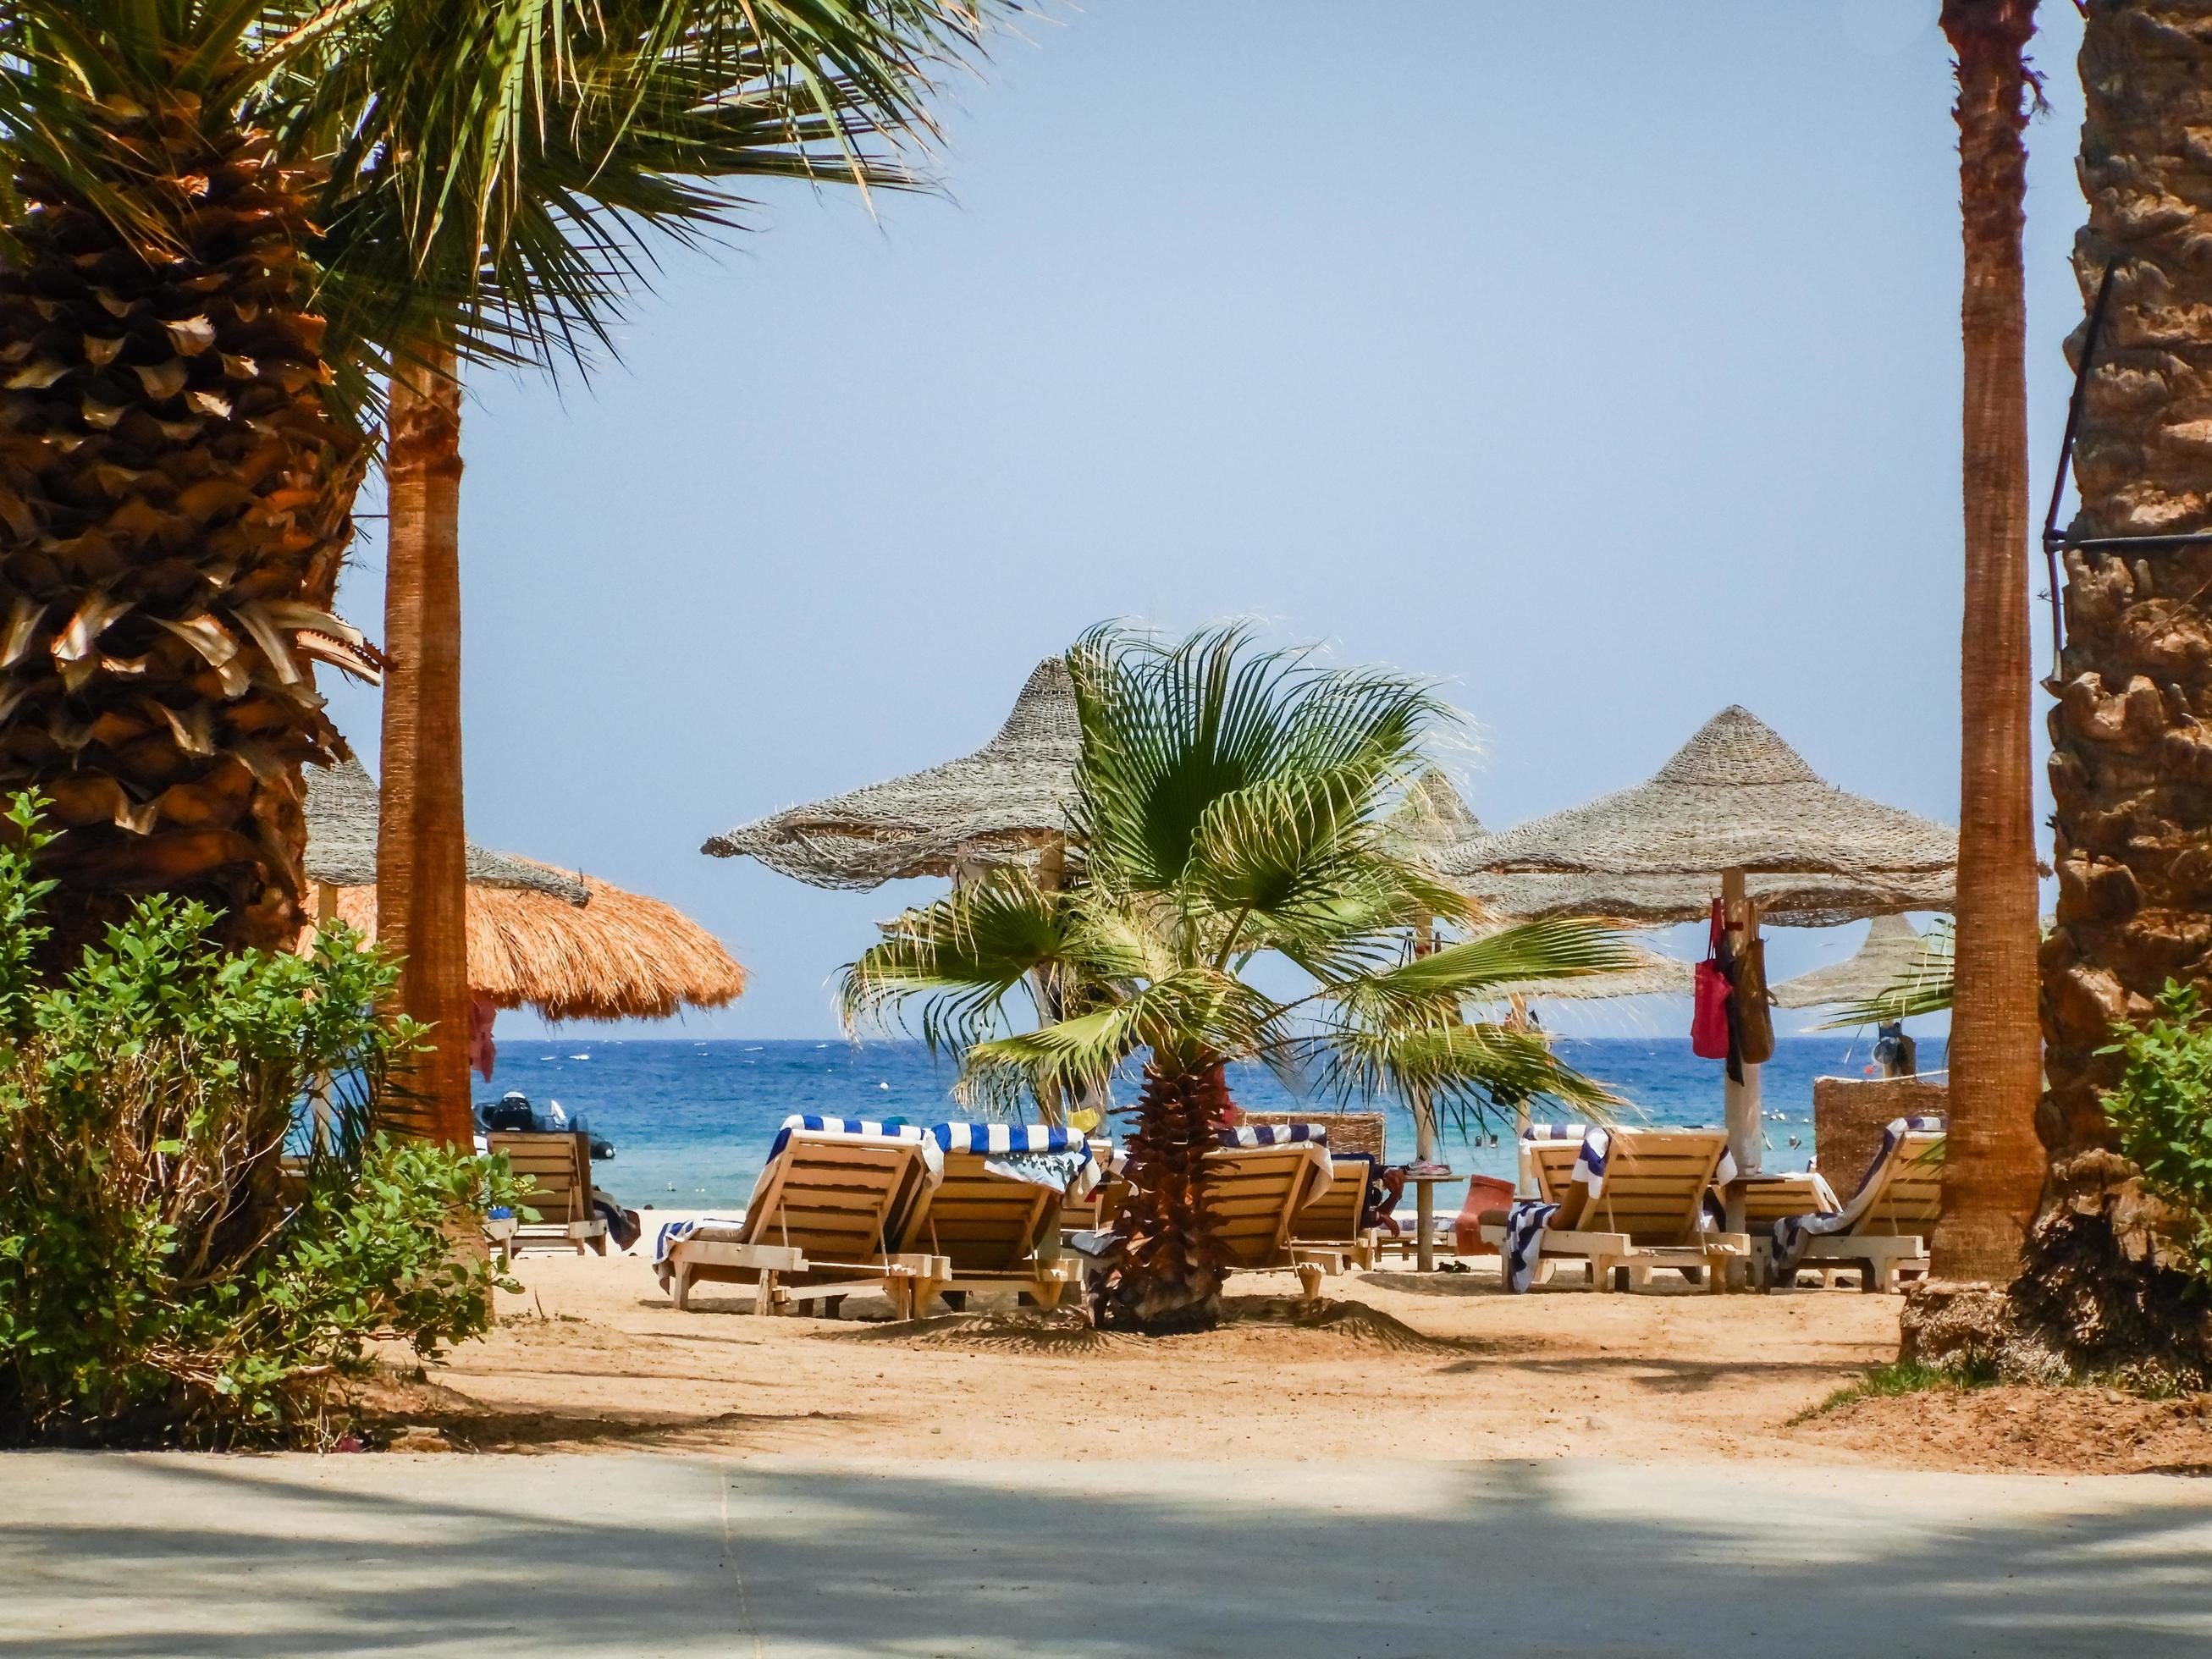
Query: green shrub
(162,1278)
(2162,1109)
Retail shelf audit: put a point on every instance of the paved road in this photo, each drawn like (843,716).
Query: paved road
(637,1556)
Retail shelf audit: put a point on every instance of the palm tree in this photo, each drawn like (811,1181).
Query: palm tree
(230,224)
(2131,747)
(646,104)
(1994,1168)
(1230,807)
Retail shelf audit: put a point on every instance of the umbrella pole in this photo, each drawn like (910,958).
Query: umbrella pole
(1051,877)
(1425,1137)
(1740,1101)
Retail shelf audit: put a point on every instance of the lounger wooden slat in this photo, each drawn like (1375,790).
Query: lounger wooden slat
(1647,1215)
(1253,1192)
(559,1165)
(821,1226)
(1889,1238)
(994,1230)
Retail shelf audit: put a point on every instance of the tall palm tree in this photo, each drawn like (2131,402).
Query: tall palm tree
(175,484)
(2131,736)
(229,224)
(1994,1168)
(1230,807)
(583,123)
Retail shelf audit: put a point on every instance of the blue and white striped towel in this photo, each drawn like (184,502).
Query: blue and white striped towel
(1041,1154)
(673,1232)
(1275,1135)
(1792,1233)
(1526,1218)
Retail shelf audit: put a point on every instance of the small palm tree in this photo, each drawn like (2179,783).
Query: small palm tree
(1230,806)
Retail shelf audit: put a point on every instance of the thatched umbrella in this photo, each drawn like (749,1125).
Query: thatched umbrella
(618,956)
(1006,803)
(1433,819)
(1735,799)
(573,947)
(1893,954)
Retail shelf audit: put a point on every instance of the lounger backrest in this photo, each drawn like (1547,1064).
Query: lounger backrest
(837,1197)
(986,1223)
(1254,1191)
(1768,1199)
(560,1164)
(1334,1217)
(1551,1162)
(1911,1196)
(1654,1183)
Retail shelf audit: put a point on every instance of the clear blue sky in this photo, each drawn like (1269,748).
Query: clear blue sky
(1600,358)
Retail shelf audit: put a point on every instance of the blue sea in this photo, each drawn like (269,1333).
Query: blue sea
(691,1120)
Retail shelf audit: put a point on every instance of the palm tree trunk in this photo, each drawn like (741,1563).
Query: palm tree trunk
(2131,747)
(1169,1276)
(421,860)
(1994,1166)
(2131,737)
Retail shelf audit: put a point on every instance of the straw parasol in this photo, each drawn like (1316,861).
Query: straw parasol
(1432,819)
(571,946)
(618,956)
(1735,797)
(341,817)
(1006,803)
(1893,954)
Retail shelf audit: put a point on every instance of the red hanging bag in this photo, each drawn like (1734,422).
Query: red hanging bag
(1709,1009)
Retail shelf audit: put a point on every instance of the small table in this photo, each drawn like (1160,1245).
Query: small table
(1424,1211)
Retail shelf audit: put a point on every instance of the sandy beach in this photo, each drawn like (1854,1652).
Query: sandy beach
(592,1355)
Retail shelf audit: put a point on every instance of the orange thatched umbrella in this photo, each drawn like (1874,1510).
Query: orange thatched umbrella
(570,946)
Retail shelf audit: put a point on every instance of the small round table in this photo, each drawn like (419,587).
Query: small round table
(1424,1211)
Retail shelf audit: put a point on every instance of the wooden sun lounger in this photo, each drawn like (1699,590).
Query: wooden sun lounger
(1645,1216)
(1890,1235)
(1255,1193)
(560,1165)
(819,1228)
(993,1232)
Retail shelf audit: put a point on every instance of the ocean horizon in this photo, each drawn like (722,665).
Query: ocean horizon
(691,1118)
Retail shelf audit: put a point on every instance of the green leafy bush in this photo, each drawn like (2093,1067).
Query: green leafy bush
(164,1277)
(2162,1109)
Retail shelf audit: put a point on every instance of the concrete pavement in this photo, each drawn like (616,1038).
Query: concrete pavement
(104,1556)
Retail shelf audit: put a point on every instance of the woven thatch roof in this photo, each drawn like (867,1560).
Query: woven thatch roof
(341,841)
(1734,795)
(620,956)
(1893,954)
(1433,818)
(997,805)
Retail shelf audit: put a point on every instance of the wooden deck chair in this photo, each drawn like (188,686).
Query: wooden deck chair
(1647,1213)
(559,1164)
(823,1223)
(995,1216)
(1257,1182)
(1896,1206)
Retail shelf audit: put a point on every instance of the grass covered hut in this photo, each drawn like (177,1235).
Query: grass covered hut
(1006,803)
(571,946)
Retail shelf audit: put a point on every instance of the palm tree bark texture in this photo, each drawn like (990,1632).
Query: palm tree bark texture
(174,500)
(1169,1273)
(2131,735)
(2131,732)
(422,859)
(1994,1165)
